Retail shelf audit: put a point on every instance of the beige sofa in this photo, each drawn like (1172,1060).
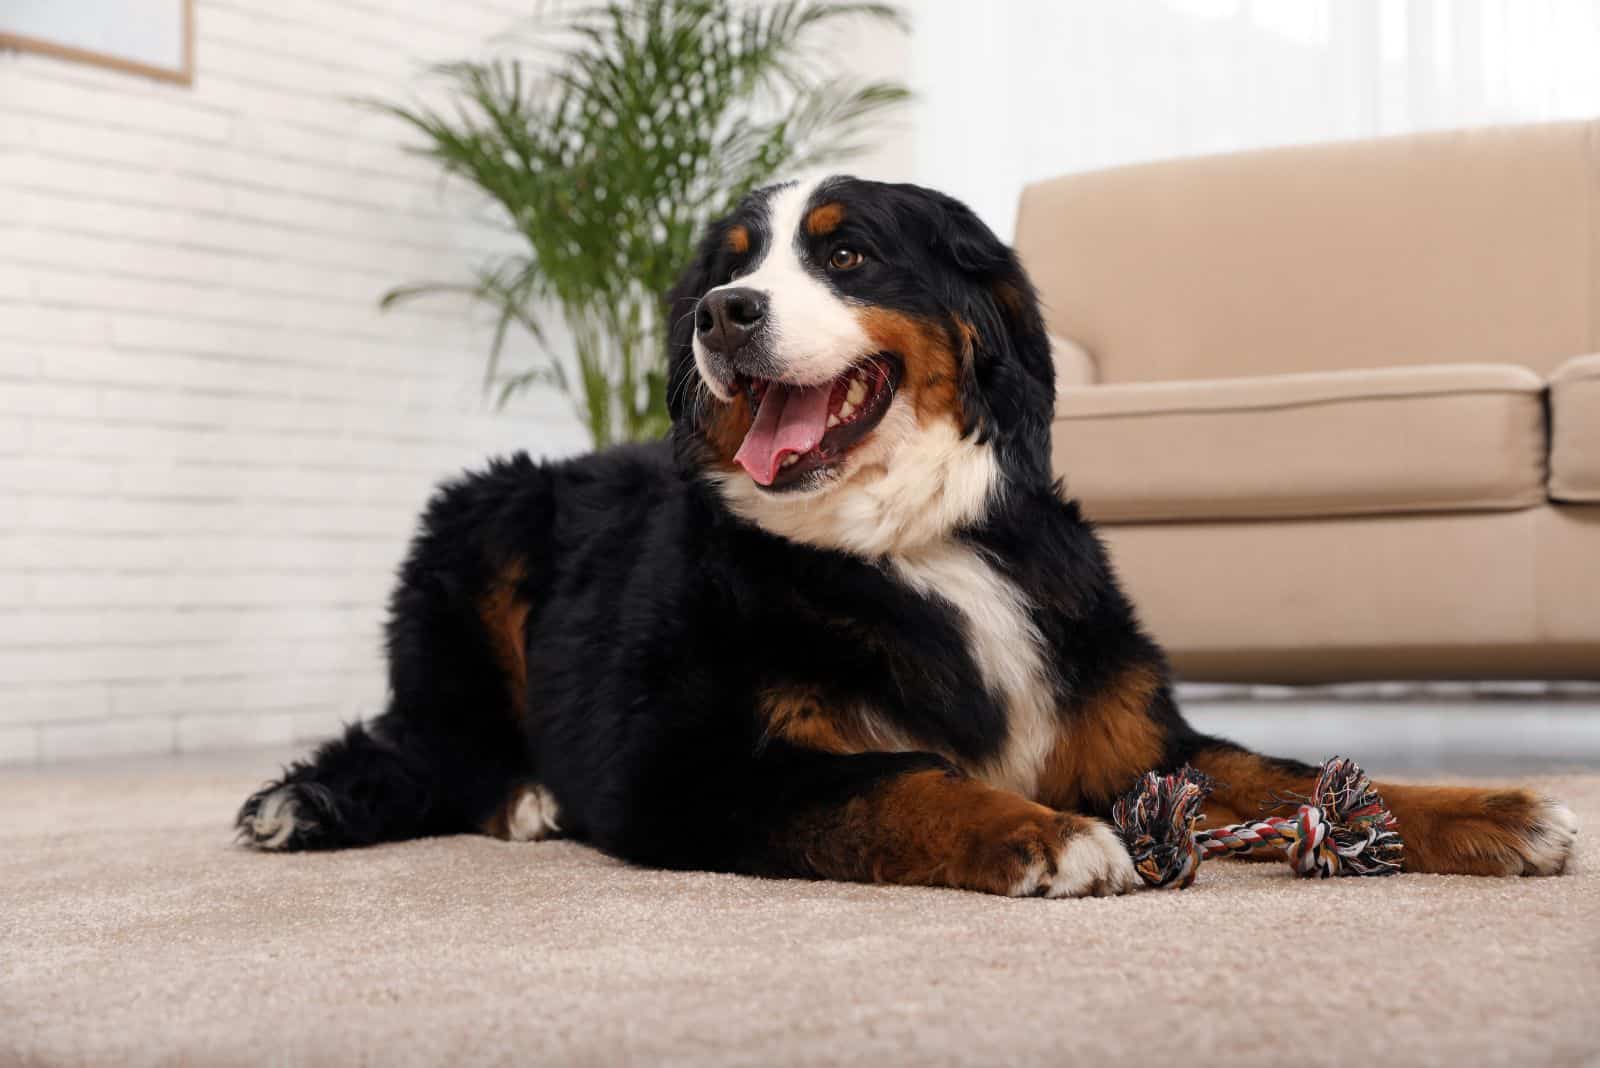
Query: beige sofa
(1332,405)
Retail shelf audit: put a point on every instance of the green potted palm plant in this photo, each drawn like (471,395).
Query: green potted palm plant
(636,124)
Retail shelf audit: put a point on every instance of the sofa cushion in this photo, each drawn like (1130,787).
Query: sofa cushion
(1446,437)
(1452,595)
(1471,246)
(1575,430)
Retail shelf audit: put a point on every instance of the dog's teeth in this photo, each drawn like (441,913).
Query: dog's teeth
(858,391)
(790,460)
(846,410)
(833,421)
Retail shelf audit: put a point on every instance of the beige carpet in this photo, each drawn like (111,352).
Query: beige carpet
(131,932)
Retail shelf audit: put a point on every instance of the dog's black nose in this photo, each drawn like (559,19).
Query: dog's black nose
(727,318)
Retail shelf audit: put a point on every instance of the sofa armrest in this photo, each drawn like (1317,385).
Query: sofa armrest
(1075,365)
(1575,430)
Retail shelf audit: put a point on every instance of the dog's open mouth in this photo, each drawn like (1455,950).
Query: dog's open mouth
(798,430)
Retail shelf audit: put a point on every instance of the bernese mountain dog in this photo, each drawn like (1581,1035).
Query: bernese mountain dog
(842,624)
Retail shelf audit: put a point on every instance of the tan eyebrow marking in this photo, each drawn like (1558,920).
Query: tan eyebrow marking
(738,240)
(824,219)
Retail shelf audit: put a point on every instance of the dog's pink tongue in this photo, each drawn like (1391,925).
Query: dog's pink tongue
(791,419)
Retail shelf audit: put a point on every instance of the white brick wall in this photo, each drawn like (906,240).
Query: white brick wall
(212,444)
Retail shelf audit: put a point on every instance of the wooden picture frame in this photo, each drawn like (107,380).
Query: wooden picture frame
(183,74)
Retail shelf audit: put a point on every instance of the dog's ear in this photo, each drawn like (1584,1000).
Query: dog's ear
(1007,372)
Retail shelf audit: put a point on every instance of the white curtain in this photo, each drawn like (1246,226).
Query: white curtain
(1016,90)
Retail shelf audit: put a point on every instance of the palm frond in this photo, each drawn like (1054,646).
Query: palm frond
(631,125)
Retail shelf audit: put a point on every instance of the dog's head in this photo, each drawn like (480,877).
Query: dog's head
(859,365)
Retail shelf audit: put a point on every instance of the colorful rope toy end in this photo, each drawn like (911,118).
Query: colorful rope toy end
(1156,821)
(1343,828)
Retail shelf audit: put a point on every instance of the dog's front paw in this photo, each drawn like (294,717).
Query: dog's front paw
(1550,836)
(1452,830)
(528,814)
(1073,857)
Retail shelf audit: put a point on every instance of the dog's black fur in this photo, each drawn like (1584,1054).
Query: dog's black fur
(651,622)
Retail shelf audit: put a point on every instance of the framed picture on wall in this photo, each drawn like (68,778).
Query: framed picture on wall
(154,38)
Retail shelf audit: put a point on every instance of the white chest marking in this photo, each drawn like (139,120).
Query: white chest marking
(1007,648)
(917,484)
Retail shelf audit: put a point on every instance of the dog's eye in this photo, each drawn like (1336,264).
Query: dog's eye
(845,259)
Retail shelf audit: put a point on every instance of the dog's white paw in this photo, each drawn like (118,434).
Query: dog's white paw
(1548,843)
(532,815)
(280,818)
(1091,863)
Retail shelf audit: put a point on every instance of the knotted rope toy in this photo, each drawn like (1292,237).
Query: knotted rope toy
(1343,828)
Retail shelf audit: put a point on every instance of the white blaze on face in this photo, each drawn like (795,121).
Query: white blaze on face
(813,333)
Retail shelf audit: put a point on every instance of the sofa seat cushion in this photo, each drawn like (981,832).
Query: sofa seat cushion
(1435,438)
(1575,430)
